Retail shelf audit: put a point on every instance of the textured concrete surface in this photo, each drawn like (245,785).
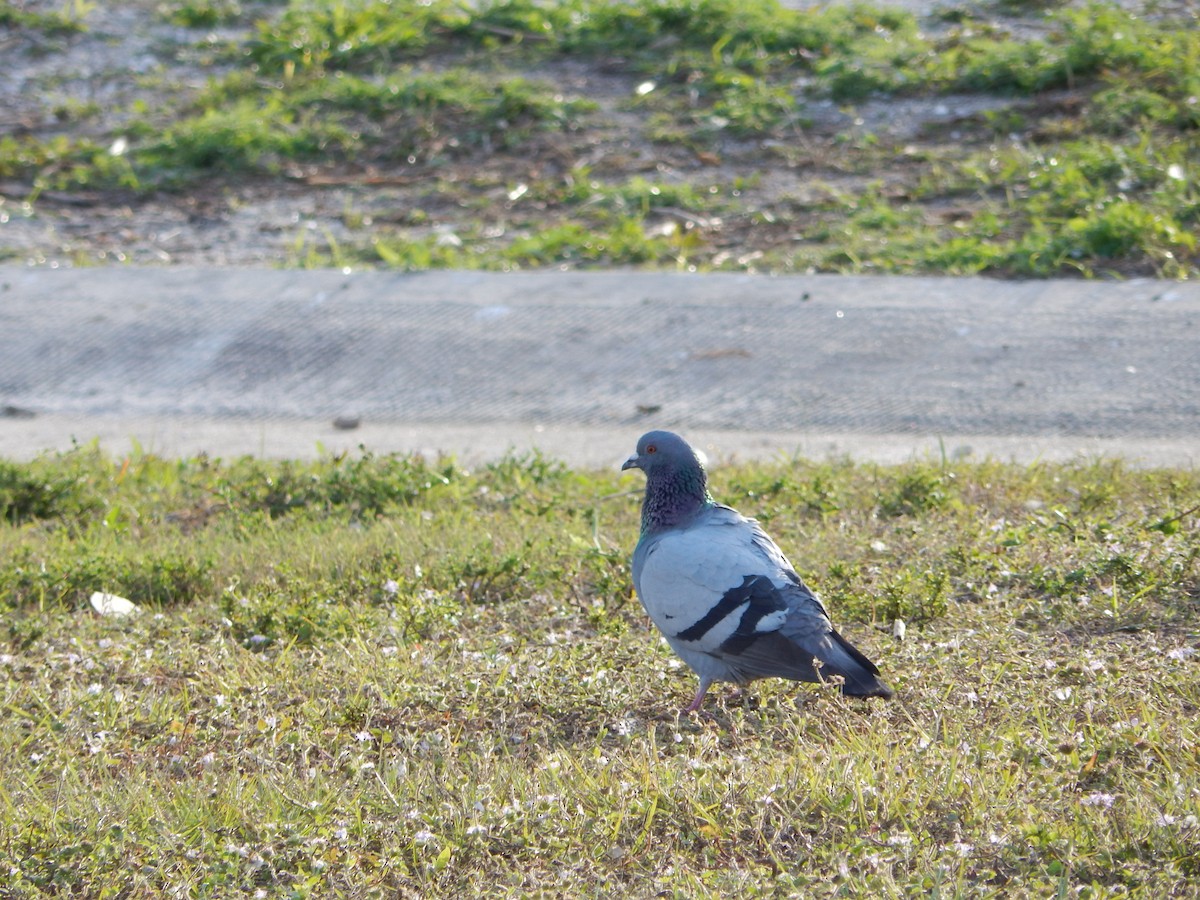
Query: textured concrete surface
(232,361)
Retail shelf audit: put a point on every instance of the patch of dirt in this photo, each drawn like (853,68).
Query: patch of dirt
(129,55)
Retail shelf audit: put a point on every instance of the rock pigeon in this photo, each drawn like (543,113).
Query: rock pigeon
(721,591)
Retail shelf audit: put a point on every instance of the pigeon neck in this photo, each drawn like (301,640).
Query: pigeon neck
(673,499)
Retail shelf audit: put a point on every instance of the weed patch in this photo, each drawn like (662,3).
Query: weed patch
(1077,155)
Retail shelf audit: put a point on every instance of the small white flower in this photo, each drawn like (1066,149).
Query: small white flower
(476,829)
(1181,653)
(340,833)
(424,837)
(1063,693)
(391,587)
(1098,798)
(625,727)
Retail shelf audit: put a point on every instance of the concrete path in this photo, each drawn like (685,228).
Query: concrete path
(233,361)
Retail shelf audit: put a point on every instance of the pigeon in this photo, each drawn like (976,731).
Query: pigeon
(721,591)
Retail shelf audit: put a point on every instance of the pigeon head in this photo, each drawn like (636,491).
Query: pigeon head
(676,483)
(662,452)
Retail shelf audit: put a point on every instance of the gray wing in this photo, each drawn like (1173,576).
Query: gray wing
(722,579)
(723,588)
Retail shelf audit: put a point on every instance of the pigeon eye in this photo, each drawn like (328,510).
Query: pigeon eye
(651,449)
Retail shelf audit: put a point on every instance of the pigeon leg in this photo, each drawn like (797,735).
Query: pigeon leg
(698,700)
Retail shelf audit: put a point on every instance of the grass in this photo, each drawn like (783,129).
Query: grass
(67,21)
(1085,164)
(387,676)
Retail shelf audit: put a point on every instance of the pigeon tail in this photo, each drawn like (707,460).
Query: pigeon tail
(813,658)
(860,676)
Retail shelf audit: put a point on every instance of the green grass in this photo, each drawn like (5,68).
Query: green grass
(67,21)
(203,13)
(1087,164)
(388,676)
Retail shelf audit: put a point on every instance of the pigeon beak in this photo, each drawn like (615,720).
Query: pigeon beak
(634,462)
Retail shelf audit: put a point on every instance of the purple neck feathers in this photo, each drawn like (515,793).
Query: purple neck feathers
(673,498)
